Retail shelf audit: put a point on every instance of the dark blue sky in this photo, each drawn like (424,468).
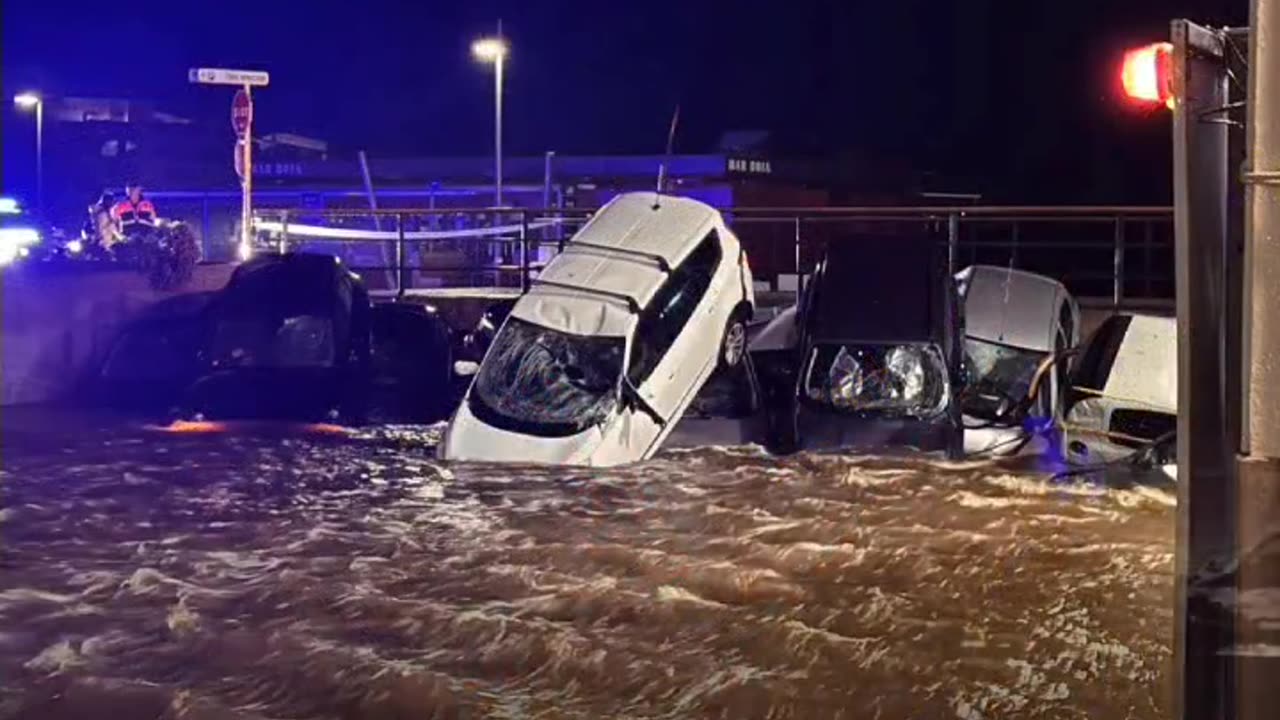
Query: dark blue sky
(1012,96)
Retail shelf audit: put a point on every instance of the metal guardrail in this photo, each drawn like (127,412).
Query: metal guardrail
(1123,251)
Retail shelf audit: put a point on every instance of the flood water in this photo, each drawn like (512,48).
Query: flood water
(149,575)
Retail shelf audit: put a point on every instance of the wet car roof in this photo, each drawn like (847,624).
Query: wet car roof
(616,264)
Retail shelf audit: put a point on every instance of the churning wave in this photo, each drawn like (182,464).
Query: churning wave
(234,576)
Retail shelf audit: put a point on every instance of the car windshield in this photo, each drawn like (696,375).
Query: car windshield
(540,381)
(999,371)
(259,342)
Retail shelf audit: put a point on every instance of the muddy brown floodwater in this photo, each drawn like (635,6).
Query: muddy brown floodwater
(147,575)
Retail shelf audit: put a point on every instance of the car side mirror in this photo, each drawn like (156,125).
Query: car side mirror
(632,398)
(465,368)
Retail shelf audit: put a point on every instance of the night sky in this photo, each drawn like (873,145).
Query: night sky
(1015,99)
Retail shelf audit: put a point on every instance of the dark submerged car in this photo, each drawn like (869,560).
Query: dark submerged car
(287,339)
(873,357)
(411,365)
(153,360)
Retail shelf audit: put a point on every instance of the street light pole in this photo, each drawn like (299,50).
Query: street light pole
(495,50)
(33,100)
(497,126)
(40,158)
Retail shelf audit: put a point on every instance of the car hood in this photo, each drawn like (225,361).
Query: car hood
(472,440)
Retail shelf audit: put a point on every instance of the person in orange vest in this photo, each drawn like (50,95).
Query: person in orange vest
(134,212)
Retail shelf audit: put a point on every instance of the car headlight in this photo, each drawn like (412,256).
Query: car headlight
(847,379)
(906,363)
(895,380)
(14,243)
(19,237)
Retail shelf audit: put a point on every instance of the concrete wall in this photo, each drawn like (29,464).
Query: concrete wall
(58,323)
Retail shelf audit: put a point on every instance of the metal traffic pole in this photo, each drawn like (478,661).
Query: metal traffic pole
(246,201)
(242,123)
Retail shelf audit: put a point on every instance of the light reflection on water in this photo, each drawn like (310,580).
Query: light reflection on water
(149,575)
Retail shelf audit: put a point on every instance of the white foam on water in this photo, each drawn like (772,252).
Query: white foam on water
(869,478)
(967,499)
(674,594)
(56,658)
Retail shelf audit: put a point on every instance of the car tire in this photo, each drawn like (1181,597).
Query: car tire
(733,344)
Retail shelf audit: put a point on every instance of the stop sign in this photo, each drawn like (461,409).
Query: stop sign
(241,113)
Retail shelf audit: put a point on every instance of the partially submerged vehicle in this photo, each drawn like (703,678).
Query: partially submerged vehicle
(410,365)
(1018,329)
(1124,394)
(599,360)
(153,360)
(870,357)
(287,339)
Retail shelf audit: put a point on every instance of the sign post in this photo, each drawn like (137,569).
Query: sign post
(242,124)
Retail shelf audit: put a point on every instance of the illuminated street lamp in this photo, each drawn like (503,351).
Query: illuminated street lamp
(32,101)
(494,50)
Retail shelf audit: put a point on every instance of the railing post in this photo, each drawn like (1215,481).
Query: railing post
(1146,257)
(1117,270)
(1013,251)
(205,236)
(400,288)
(799,274)
(953,243)
(284,232)
(524,250)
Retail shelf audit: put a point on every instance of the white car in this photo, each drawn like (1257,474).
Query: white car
(598,361)
(1014,321)
(1125,391)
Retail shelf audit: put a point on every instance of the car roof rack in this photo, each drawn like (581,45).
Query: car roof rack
(632,304)
(663,265)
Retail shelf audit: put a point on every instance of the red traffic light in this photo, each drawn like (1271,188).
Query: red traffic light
(1147,74)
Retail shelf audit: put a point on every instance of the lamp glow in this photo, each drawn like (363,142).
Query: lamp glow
(26,100)
(489,49)
(1147,74)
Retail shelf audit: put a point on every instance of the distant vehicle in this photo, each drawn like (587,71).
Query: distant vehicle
(599,360)
(1124,394)
(1014,322)
(871,355)
(19,233)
